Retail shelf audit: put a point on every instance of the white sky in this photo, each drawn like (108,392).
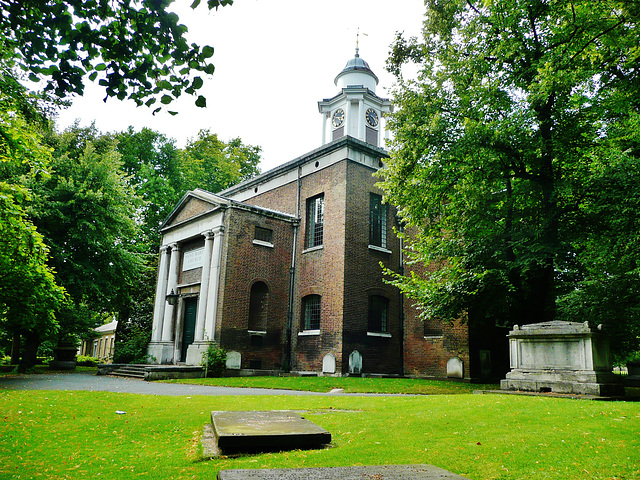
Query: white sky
(274,60)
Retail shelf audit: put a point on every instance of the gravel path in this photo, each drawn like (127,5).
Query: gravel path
(93,383)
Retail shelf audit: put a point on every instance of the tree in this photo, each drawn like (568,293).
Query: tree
(521,112)
(87,213)
(211,164)
(29,294)
(136,49)
(151,163)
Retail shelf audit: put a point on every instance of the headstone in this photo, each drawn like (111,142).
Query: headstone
(485,363)
(266,431)
(379,472)
(234,360)
(329,364)
(355,363)
(560,357)
(455,368)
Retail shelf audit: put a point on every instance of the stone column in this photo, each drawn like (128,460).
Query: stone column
(161,293)
(361,121)
(172,284)
(214,282)
(204,285)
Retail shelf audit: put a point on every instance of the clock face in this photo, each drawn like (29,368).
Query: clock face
(338,118)
(372,117)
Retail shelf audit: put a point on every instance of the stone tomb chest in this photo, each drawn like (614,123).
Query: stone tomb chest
(262,431)
(560,357)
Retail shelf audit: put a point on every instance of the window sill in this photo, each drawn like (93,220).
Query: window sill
(257,332)
(263,243)
(309,333)
(379,334)
(313,249)
(433,337)
(380,249)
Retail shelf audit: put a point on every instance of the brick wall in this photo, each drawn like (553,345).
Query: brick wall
(363,278)
(244,264)
(321,272)
(430,343)
(193,207)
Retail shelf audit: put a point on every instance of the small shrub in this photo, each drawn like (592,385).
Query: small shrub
(87,361)
(214,360)
(131,345)
(5,360)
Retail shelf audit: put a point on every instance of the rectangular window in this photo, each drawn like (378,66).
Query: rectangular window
(311,312)
(378,310)
(263,234)
(377,221)
(315,221)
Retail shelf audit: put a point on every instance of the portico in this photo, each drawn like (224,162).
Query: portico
(189,267)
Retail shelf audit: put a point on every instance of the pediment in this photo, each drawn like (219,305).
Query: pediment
(193,204)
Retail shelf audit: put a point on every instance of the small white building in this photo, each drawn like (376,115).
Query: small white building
(101,346)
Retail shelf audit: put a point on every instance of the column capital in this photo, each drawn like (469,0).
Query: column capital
(208,235)
(175,246)
(218,231)
(164,248)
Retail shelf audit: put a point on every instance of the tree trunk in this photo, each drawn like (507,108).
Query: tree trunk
(29,352)
(15,349)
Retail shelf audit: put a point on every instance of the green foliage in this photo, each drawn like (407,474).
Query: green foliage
(132,348)
(150,161)
(515,163)
(214,360)
(29,294)
(135,49)
(87,361)
(87,212)
(213,165)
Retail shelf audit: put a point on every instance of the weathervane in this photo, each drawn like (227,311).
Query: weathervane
(358,41)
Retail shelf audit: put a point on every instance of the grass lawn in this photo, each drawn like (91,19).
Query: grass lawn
(78,435)
(349,384)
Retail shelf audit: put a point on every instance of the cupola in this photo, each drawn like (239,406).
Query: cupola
(356,110)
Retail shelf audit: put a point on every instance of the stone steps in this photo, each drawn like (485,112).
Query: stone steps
(130,371)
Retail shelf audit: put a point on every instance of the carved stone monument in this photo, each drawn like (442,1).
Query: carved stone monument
(560,357)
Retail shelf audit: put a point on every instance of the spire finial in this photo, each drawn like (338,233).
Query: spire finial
(358,42)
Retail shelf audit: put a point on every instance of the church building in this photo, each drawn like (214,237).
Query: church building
(284,271)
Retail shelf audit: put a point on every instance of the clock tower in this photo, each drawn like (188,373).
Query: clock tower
(356,111)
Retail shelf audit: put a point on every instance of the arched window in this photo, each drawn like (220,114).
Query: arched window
(258,307)
(378,310)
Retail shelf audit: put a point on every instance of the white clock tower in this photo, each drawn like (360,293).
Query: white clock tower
(356,111)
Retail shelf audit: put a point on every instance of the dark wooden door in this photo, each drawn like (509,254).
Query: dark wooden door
(189,325)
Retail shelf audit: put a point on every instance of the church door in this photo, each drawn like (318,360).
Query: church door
(189,325)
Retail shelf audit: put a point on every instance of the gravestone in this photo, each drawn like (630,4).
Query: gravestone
(560,357)
(378,472)
(266,431)
(455,368)
(329,364)
(355,363)
(234,360)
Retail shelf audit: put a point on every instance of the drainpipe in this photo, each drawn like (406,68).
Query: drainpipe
(401,295)
(292,276)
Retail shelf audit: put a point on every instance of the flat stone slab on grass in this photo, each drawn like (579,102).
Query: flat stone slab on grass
(266,431)
(381,472)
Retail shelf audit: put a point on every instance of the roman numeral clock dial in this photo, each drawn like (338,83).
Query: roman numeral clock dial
(338,118)
(372,117)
